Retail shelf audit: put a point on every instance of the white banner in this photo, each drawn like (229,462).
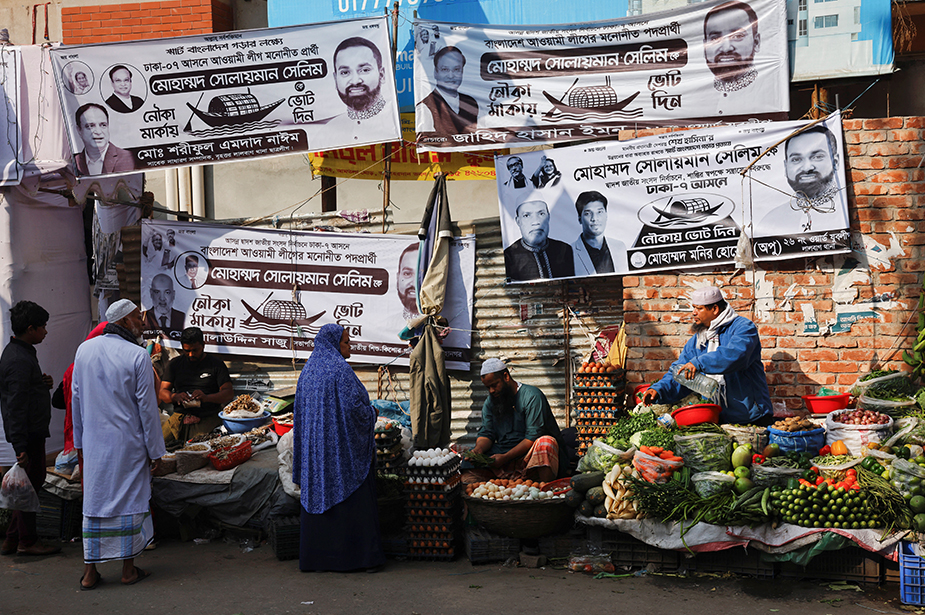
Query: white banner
(675,200)
(267,292)
(489,87)
(226,96)
(11,145)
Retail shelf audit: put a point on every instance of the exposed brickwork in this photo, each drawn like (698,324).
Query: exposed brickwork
(885,181)
(107,23)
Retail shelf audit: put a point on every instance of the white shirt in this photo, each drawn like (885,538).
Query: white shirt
(95,166)
(116,424)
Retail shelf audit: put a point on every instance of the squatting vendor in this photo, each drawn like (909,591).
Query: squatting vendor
(726,348)
(518,430)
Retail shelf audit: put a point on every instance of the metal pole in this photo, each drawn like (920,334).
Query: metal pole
(387,148)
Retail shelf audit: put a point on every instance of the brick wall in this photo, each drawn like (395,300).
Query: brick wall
(108,23)
(886,189)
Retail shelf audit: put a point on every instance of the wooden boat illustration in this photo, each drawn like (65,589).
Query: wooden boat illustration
(598,99)
(277,312)
(686,209)
(232,109)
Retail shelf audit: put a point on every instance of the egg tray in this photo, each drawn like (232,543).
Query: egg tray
(444,470)
(429,527)
(390,453)
(448,536)
(387,442)
(395,466)
(436,555)
(388,433)
(422,505)
(434,494)
(439,515)
(448,485)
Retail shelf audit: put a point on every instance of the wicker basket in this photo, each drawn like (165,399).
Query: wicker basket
(522,519)
(232,456)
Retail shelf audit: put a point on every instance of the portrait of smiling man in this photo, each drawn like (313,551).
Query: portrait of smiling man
(594,253)
(99,155)
(445,110)
(122,100)
(730,42)
(810,164)
(535,256)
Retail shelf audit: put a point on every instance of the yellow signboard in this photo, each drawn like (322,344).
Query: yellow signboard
(407,163)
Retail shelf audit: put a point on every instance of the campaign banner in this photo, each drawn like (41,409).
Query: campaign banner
(11,146)
(675,201)
(227,96)
(491,87)
(267,292)
(407,163)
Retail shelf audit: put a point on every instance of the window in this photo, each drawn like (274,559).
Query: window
(854,36)
(802,5)
(857,15)
(826,21)
(635,7)
(802,28)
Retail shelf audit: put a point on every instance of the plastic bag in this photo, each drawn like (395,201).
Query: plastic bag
(910,428)
(705,452)
(800,441)
(16,492)
(655,469)
(837,471)
(590,563)
(748,434)
(601,457)
(906,476)
(855,437)
(764,475)
(65,462)
(707,484)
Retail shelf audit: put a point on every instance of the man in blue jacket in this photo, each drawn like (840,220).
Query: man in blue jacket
(726,348)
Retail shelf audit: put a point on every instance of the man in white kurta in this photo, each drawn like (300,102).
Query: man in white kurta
(117,429)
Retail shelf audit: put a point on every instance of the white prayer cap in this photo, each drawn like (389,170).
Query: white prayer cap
(119,310)
(708,295)
(492,366)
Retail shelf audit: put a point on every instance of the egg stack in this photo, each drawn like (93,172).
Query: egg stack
(388,445)
(432,503)
(597,401)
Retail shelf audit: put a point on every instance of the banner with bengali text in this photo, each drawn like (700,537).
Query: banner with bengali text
(267,292)
(491,87)
(675,201)
(227,96)
(407,162)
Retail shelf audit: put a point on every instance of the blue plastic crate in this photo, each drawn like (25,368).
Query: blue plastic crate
(911,575)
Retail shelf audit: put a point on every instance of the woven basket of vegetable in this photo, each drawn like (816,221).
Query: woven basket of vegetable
(522,519)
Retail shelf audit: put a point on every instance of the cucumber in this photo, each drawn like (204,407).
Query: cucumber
(586,509)
(600,511)
(573,498)
(596,495)
(583,482)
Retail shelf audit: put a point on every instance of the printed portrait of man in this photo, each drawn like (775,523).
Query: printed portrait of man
(162,316)
(535,256)
(593,252)
(517,179)
(810,164)
(445,110)
(730,42)
(122,100)
(195,272)
(99,156)
(405,282)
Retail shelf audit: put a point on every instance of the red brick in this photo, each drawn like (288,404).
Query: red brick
(889,149)
(915,122)
(142,29)
(847,379)
(172,19)
(880,123)
(100,31)
(910,214)
(869,136)
(870,188)
(640,293)
(122,30)
(890,201)
(906,135)
(89,9)
(817,355)
(798,341)
(840,367)
(866,162)
(889,177)
(850,125)
(874,214)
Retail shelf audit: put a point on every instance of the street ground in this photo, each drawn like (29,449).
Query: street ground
(221,578)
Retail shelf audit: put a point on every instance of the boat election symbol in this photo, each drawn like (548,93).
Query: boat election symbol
(275,314)
(590,101)
(233,110)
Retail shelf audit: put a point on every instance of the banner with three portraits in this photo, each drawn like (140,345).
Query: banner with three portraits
(227,96)
(490,87)
(678,200)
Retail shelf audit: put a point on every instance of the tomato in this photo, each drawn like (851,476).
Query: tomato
(819,480)
(851,472)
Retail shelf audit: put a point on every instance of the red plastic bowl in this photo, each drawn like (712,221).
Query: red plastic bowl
(696,414)
(638,392)
(281,429)
(823,404)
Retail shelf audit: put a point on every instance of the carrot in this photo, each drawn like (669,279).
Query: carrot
(673,458)
(645,449)
(666,455)
(656,449)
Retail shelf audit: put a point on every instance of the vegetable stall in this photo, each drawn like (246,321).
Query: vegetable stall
(848,478)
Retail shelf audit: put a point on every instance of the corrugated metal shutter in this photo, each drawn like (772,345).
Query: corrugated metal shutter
(535,328)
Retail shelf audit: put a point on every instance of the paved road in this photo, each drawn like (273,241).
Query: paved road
(218,578)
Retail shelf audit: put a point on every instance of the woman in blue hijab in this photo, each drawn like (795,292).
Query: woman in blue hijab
(334,460)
